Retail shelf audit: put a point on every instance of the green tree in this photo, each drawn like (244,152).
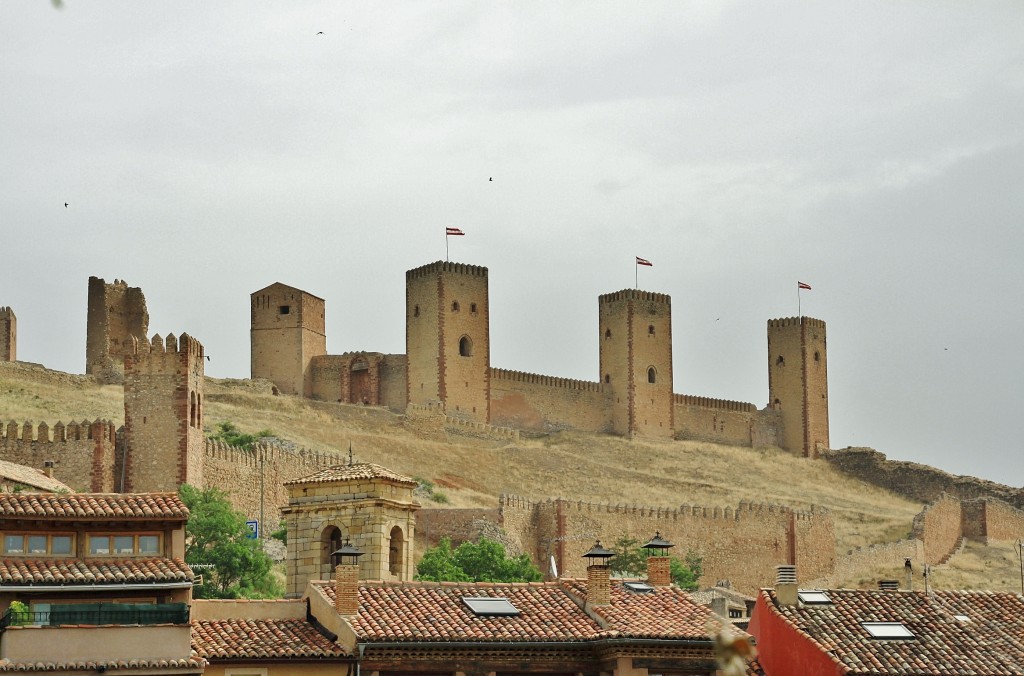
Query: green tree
(229,433)
(481,561)
(216,538)
(630,560)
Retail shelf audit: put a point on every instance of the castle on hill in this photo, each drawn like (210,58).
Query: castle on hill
(447,366)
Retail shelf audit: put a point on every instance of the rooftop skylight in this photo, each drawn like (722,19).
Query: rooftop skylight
(638,587)
(891,630)
(490,606)
(812,597)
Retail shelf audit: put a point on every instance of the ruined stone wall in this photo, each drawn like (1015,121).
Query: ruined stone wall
(743,545)
(545,404)
(915,481)
(84,454)
(393,373)
(992,520)
(716,420)
(8,335)
(857,562)
(117,314)
(939,527)
(326,373)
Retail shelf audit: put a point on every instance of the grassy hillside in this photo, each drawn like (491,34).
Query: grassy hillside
(473,472)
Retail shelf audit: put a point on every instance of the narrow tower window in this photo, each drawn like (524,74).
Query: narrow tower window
(607,378)
(650,329)
(472,308)
(780,361)
(455,306)
(284,310)
(652,375)
(416,311)
(465,347)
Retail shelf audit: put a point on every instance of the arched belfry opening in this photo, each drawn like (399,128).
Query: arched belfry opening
(396,552)
(330,542)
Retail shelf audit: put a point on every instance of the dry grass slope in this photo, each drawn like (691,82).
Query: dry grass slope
(473,472)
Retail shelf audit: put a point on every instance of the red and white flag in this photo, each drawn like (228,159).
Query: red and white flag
(448,232)
(801,285)
(644,261)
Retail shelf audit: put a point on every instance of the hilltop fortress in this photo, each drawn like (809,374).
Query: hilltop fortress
(447,364)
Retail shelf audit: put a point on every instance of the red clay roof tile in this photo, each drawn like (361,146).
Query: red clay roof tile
(106,506)
(358,471)
(261,638)
(18,571)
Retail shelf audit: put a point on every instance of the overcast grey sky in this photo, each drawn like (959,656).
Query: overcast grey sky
(874,150)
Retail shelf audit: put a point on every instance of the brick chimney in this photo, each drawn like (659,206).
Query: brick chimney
(346,589)
(785,585)
(659,573)
(599,585)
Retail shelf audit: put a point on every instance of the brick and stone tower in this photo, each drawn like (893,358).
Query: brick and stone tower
(636,361)
(287,332)
(798,382)
(367,504)
(163,414)
(8,335)
(447,338)
(117,314)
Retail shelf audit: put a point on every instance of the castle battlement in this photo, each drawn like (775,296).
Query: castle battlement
(744,510)
(73,431)
(171,345)
(446,266)
(635,294)
(268,453)
(708,402)
(6,312)
(548,381)
(795,321)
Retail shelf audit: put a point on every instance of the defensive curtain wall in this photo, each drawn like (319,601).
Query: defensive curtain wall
(448,363)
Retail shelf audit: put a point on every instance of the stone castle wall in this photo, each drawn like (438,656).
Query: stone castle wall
(743,545)
(545,404)
(999,520)
(915,481)
(939,526)
(84,454)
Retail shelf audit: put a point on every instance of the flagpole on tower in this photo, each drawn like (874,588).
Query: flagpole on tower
(799,286)
(450,232)
(636,270)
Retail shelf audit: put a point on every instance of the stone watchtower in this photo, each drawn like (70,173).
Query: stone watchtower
(447,338)
(636,361)
(163,414)
(287,329)
(8,335)
(798,382)
(117,314)
(367,504)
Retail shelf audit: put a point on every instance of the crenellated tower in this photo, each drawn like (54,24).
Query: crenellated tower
(163,414)
(636,361)
(287,330)
(117,315)
(798,382)
(8,335)
(447,338)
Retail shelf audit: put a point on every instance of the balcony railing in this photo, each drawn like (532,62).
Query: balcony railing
(99,613)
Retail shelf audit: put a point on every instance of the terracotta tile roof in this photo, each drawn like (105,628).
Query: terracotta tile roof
(19,571)
(356,472)
(664,612)
(104,506)
(990,642)
(30,476)
(192,663)
(434,611)
(261,638)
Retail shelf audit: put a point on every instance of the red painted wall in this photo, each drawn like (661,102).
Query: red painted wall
(782,650)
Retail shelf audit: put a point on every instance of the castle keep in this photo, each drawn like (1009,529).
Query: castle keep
(447,364)
(8,335)
(117,317)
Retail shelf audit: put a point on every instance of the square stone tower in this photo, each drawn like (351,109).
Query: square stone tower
(636,361)
(117,314)
(798,382)
(447,338)
(287,331)
(163,414)
(8,335)
(367,504)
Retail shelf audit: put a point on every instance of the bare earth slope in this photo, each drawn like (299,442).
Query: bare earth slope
(472,472)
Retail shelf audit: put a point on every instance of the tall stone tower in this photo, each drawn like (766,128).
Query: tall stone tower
(447,338)
(117,314)
(288,329)
(367,504)
(8,335)
(163,414)
(636,361)
(798,382)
